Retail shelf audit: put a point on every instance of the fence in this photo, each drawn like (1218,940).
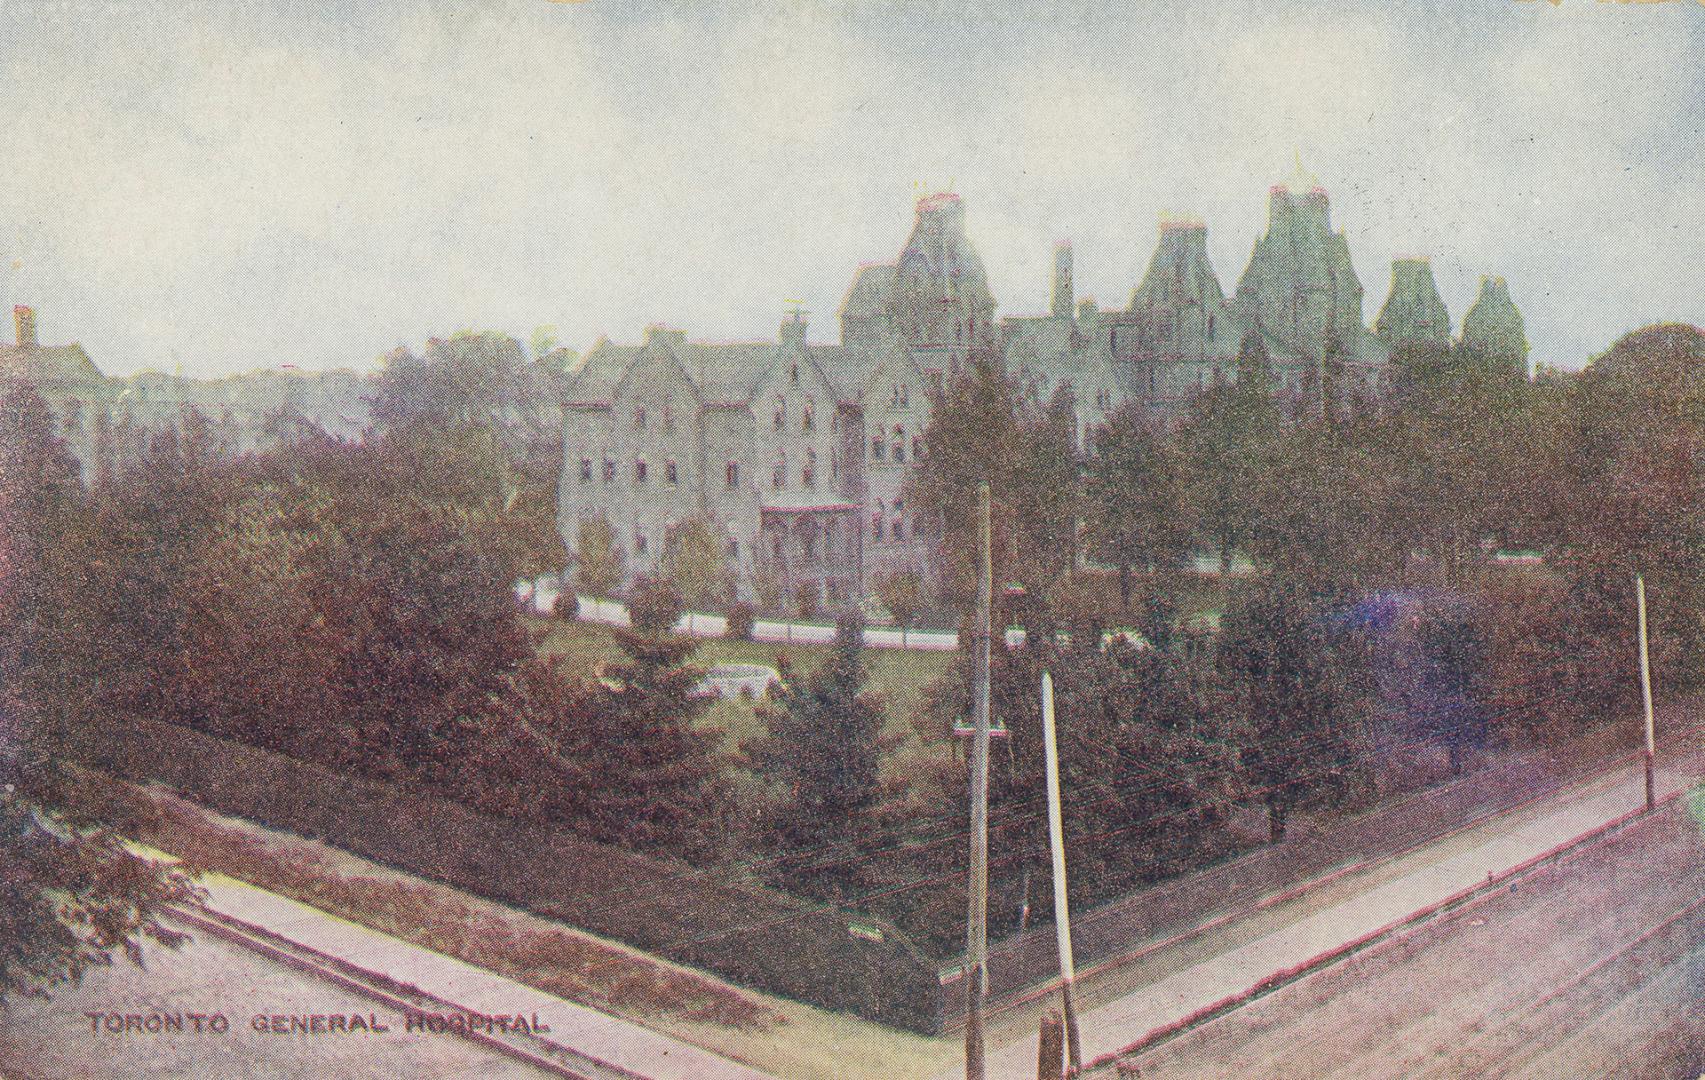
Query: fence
(756,936)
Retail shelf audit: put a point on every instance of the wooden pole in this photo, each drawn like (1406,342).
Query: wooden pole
(1646,689)
(1057,842)
(978,890)
(1050,1051)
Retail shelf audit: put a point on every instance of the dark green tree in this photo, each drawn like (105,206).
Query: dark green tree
(1135,514)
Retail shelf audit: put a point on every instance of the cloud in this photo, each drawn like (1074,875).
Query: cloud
(243,187)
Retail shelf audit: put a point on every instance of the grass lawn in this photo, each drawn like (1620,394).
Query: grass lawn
(899,677)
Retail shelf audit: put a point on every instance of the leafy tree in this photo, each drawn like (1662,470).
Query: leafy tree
(71,894)
(600,565)
(1228,444)
(902,593)
(1135,514)
(823,749)
(694,560)
(1292,687)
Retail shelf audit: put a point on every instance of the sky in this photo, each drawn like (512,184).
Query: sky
(219,188)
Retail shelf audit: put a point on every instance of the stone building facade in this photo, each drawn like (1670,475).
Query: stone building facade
(1298,298)
(108,421)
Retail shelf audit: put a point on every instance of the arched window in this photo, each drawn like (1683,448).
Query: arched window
(899,444)
(808,476)
(793,373)
(808,421)
(609,470)
(780,418)
(671,473)
(778,476)
(585,470)
(639,470)
(878,448)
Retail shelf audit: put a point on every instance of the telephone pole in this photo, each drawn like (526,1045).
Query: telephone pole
(978,890)
(1646,688)
(1057,841)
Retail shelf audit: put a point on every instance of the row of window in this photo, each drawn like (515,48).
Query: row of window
(884,449)
(639,418)
(807,420)
(641,471)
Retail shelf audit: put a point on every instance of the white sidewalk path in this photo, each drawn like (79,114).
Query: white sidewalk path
(598,1035)
(1112,1027)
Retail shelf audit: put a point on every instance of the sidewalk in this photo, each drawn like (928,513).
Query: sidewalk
(598,1044)
(1364,907)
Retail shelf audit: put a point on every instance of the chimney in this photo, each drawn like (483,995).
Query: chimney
(24,317)
(1063,300)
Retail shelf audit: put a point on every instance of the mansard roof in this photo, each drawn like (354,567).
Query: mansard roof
(867,298)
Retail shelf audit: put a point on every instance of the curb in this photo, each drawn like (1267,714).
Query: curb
(541,1053)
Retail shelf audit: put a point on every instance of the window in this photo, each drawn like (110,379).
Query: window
(877,518)
(733,474)
(808,422)
(830,533)
(639,544)
(808,545)
(905,396)
(778,475)
(1103,399)
(808,476)
(585,470)
(793,373)
(878,449)
(899,445)
(898,531)
(639,471)
(734,549)
(779,420)
(639,417)
(671,474)
(1210,328)
(609,470)
(668,416)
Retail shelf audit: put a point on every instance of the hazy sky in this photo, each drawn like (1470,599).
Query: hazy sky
(234,186)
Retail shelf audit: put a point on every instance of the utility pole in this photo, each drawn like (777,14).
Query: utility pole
(977,919)
(1057,841)
(1646,688)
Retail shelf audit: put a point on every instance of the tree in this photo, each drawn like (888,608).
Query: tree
(663,783)
(71,894)
(902,593)
(599,565)
(694,560)
(1228,444)
(823,750)
(1290,684)
(1134,512)
(985,427)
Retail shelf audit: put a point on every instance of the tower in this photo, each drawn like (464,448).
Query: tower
(1061,307)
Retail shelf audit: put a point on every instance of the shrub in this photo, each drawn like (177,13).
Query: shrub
(740,619)
(566,607)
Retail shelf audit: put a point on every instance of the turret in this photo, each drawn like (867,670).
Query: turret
(1493,329)
(1414,315)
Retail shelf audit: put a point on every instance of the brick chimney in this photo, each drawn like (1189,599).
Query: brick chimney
(24,318)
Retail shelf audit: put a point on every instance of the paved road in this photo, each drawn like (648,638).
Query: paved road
(54,1041)
(1125,1005)
(1594,967)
